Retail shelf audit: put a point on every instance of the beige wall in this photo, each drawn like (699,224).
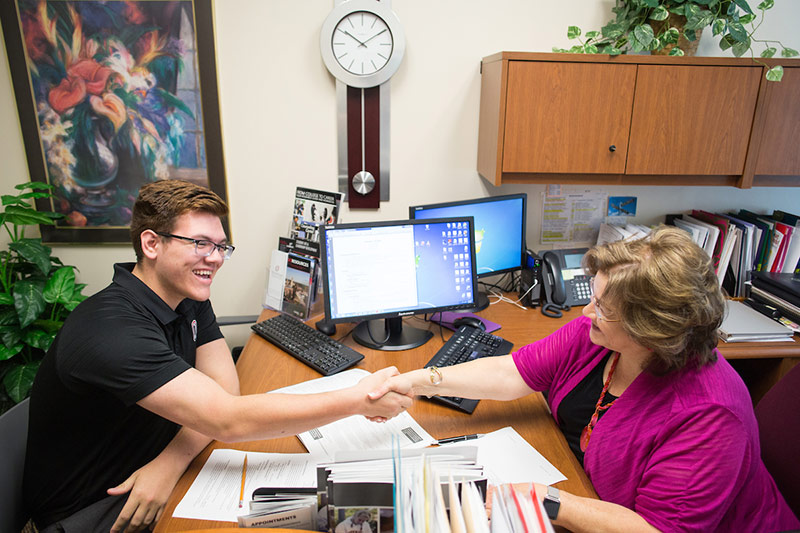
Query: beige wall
(279,131)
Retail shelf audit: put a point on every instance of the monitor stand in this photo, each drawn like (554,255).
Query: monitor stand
(371,333)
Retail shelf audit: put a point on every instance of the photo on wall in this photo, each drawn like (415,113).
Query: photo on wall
(112,95)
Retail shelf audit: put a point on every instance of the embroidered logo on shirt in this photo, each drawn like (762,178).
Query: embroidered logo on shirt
(194,330)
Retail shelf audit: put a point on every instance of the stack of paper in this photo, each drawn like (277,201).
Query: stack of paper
(743,323)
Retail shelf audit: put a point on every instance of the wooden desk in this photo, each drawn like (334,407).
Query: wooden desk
(263,367)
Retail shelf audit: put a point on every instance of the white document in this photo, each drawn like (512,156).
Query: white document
(214,494)
(713,233)
(276,280)
(573,218)
(355,432)
(508,458)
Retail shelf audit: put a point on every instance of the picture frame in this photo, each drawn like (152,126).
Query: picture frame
(112,95)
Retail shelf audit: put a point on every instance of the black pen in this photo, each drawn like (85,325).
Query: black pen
(460,438)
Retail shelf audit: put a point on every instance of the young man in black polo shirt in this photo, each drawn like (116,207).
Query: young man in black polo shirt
(139,379)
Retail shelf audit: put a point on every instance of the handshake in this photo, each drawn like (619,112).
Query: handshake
(387,392)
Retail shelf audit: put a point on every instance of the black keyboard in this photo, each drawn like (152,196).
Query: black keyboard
(305,343)
(466,344)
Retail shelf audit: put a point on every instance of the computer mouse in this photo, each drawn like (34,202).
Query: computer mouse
(472,321)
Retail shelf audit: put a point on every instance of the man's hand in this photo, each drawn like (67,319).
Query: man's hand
(387,405)
(149,488)
(398,383)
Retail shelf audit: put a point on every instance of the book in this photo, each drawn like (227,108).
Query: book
(723,245)
(312,209)
(290,285)
(743,323)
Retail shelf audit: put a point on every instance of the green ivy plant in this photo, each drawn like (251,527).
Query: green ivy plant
(37,292)
(647,25)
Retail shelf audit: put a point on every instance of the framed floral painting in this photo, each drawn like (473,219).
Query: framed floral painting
(112,95)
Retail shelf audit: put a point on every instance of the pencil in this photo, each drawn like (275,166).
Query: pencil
(244,475)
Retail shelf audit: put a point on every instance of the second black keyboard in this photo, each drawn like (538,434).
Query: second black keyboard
(305,343)
(466,344)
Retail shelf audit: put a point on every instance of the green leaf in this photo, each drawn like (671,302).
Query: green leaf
(737,31)
(766,4)
(769,52)
(743,5)
(650,3)
(775,73)
(34,185)
(676,52)
(594,34)
(11,335)
(614,51)
(589,49)
(8,317)
(28,301)
(34,251)
(789,52)
(644,34)
(19,380)
(25,216)
(699,20)
(747,19)
(741,48)
(7,353)
(726,42)
(6,299)
(573,32)
(60,286)
(678,10)
(660,13)
(577,49)
(718,26)
(39,338)
(690,10)
(670,36)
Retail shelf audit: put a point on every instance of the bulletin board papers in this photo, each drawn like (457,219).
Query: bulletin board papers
(573,218)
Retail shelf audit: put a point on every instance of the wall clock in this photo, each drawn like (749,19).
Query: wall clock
(362,45)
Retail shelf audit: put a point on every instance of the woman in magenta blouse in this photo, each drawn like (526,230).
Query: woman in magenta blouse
(662,424)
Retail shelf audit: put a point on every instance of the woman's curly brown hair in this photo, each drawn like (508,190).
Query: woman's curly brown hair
(665,293)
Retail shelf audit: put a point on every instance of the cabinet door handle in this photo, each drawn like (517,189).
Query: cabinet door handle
(612,148)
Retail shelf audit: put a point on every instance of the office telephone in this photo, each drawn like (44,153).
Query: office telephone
(564,282)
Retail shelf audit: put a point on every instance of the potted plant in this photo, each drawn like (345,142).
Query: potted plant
(673,27)
(37,292)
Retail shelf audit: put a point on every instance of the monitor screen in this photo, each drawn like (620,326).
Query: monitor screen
(499,229)
(393,269)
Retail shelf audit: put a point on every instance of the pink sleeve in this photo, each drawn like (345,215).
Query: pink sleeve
(542,362)
(699,466)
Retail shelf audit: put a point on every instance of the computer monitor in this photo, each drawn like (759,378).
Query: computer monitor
(499,231)
(390,270)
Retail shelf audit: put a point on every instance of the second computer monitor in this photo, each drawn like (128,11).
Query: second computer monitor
(499,229)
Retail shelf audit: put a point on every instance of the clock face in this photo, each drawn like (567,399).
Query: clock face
(362,43)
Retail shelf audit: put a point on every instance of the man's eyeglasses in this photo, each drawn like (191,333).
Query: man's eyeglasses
(598,310)
(203,247)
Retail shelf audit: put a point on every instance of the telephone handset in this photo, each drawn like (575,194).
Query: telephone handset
(565,284)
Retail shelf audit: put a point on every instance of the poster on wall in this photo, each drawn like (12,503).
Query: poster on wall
(112,95)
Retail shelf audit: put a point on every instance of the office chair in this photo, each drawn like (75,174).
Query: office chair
(13,441)
(778,415)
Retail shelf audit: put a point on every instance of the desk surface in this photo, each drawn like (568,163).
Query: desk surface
(263,367)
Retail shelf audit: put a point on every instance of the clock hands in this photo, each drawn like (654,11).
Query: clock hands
(354,37)
(362,43)
(368,40)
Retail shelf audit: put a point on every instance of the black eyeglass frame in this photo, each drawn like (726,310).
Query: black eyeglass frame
(226,250)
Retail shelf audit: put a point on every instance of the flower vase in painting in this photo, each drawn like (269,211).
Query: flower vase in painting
(117,100)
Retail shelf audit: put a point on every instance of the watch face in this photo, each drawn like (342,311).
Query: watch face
(362,43)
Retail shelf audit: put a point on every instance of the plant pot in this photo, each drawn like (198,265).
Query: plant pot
(678,22)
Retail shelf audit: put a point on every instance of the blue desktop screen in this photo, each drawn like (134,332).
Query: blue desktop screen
(398,268)
(499,229)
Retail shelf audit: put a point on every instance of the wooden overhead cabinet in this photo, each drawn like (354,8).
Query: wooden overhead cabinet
(647,120)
